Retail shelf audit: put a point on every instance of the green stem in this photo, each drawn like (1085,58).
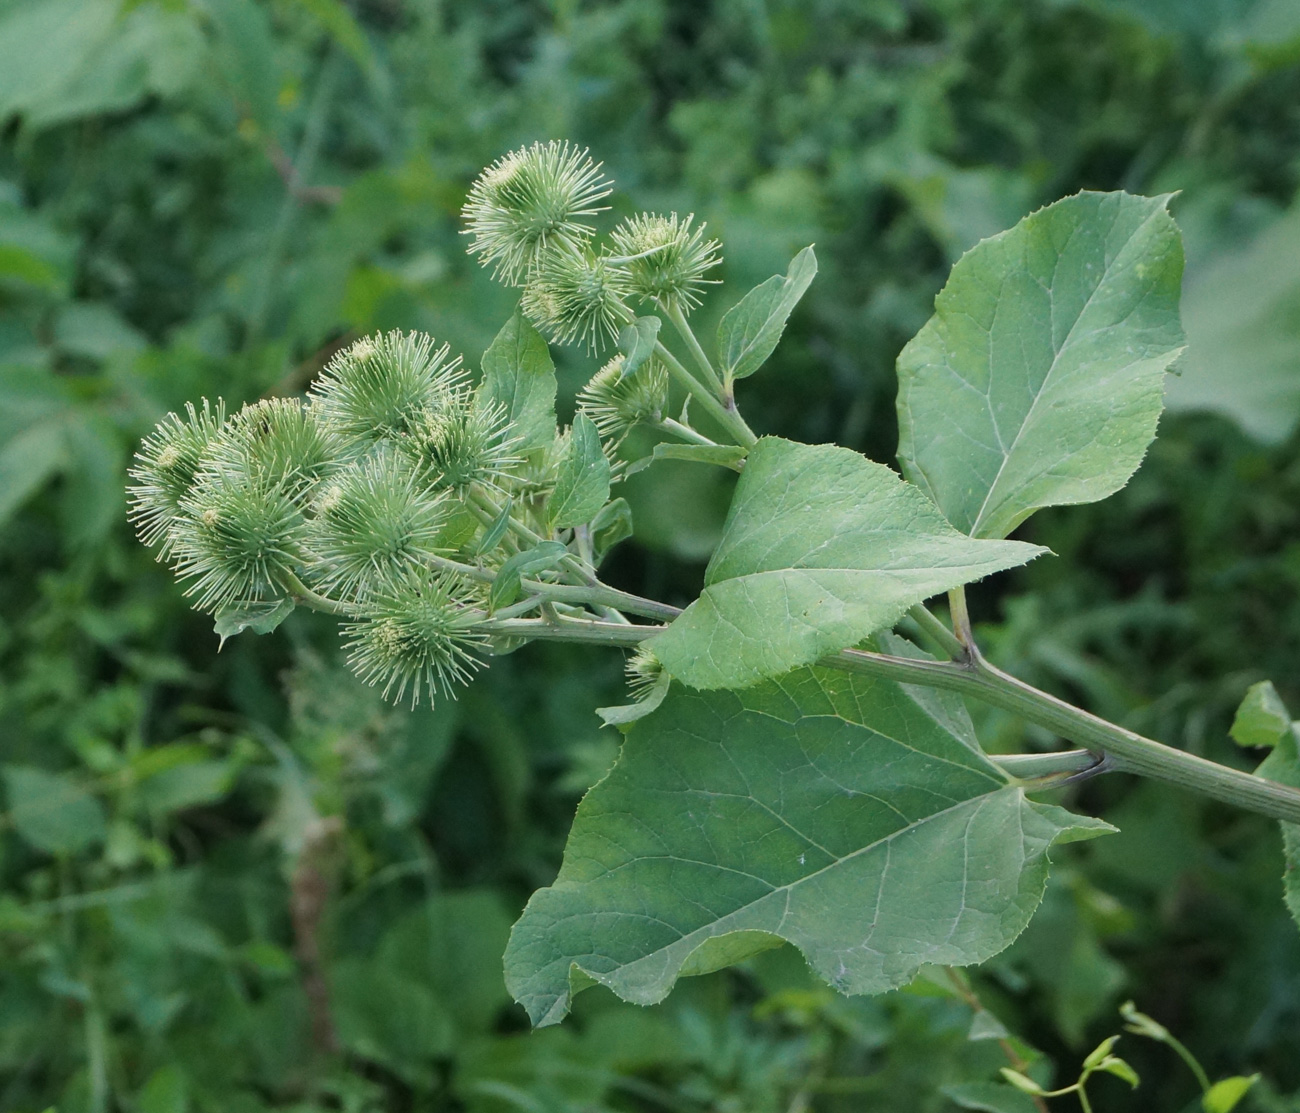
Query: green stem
(571,630)
(935,629)
(728,418)
(1202,1079)
(579,568)
(961,620)
(702,361)
(597,594)
(684,432)
(603,595)
(1130,752)
(1032,767)
(303,594)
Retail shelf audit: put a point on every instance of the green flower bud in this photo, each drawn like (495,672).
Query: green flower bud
(280,441)
(461,442)
(666,259)
(237,536)
(616,402)
(417,634)
(643,671)
(528,202)
(168,462)
(380,386)
(372,521)
(574,296)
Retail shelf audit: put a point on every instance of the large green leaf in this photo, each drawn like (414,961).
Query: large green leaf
(1038,382)
(821,549)
(519,374)
(828,810)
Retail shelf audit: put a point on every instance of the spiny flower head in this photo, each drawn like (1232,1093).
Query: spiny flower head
(380,386)
(577,296)
(528,202)
(237,537)
(417,634)
(167,464)
(643,671)
(462,441)
(616,402)
(666,259)
(372,521)
(280,441)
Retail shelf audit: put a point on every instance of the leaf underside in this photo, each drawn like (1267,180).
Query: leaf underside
(828,810)
(1039,380)
(822,547)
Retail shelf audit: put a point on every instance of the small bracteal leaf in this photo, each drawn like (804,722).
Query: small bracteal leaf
(1098,1053)
(261,618)
(508,583)
(518,374)
(1283,765)
(750,330)
(493,535)
(1120,1069)
(610,526)
(582,478)
(1262,720)
(1224,1095)
(629,713)
(721,455)
(637,342)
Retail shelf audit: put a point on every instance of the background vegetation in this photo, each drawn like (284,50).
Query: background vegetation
(239,882)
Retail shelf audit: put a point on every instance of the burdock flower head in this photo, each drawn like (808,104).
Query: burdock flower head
(577,296)
(417,636)
(528,202)
(166,467)
(381,386)
(666,259)
(372,521)
(616,402)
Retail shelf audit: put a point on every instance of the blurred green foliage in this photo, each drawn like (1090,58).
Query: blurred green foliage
(237,883)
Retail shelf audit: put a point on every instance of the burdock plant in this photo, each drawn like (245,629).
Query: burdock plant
(799,764)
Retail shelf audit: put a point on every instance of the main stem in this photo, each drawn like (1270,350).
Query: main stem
(1128,751)
(729,419)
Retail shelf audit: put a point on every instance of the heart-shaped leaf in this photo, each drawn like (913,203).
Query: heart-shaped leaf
(825,809)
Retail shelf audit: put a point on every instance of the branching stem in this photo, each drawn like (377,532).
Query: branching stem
(684,432)
(937,632)
(683,326)
(301,593)
(1128,752)
(727,417)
